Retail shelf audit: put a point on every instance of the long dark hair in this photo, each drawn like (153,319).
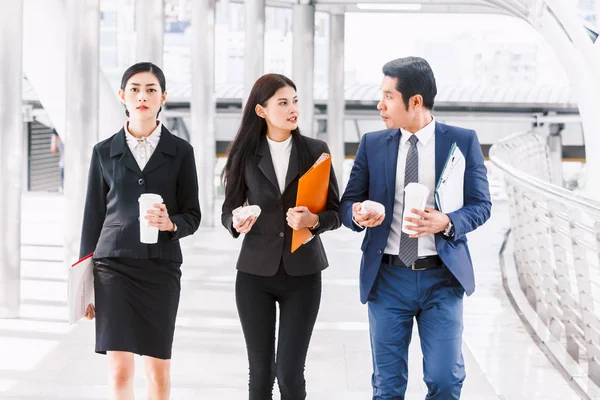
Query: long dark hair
(252,129)
(144,67)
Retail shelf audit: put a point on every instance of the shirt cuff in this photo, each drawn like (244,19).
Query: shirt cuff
(357,224)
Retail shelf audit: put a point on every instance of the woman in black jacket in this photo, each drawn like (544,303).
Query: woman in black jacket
(265,161)
(137,285)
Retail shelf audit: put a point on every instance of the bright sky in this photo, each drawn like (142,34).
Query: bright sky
(373,39)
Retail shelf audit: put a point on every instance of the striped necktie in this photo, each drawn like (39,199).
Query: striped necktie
(409,248)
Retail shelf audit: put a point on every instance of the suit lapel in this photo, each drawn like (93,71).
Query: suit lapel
(265,164)
(119,147)
(391,162)
(293,167)
(166,145)
(443,143)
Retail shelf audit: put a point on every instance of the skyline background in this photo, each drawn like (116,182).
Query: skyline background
(463,49)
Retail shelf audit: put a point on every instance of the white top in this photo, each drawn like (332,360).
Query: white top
(143,148)
(280,153)
(426,148)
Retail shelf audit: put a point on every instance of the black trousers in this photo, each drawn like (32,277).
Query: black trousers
(299,298)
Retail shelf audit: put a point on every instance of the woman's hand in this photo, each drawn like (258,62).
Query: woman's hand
(91,312)
(301,217)
(159,218)
(244,225)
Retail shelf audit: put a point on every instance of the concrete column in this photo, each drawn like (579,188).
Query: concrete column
(182,12)
(254,44)
(82,112)
(11,143)
(203,103)
(336,101)
(555,153)
(49,16)
(150,29)
(303,61)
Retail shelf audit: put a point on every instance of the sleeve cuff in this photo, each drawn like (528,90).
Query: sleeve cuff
(357,225)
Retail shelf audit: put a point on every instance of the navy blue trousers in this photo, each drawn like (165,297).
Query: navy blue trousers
(435,299)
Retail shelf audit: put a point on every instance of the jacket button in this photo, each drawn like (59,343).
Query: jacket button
(280,234)
(140,181)
(379,251)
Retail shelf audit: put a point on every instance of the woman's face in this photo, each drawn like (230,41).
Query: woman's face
(281,110)
(142,96)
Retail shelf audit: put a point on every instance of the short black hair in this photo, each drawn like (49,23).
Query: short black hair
(415,76)
(144,67)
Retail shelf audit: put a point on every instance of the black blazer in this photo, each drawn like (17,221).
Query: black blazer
(270,239)
(111,219)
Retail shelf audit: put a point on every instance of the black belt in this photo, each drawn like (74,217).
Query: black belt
(431,262)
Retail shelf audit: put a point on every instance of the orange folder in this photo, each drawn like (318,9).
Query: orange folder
(313,188)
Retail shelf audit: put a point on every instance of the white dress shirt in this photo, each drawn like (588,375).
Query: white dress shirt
(280,153)
(143,148)
(426,149)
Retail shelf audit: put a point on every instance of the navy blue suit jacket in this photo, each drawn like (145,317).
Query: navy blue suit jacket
(373,177)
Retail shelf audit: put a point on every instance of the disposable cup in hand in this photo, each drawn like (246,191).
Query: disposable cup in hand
(415,196)
(148,234)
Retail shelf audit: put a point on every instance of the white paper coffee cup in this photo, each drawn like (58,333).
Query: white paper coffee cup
(415,196)
(148,234)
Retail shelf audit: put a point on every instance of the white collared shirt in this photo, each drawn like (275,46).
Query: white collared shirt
(280,154)
(426,149)
(143,148)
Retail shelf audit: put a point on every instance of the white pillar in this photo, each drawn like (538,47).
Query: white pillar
(82,112)
(254,44)
(555,160)
(49,16)
(203,103)
(585,83)
(336,101)
(11,143)
(182,12)
(150,30)
(303,61)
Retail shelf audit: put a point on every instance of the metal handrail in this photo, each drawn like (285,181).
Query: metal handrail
(540,185)
(556,236)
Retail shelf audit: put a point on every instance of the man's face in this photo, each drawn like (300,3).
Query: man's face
(392,108)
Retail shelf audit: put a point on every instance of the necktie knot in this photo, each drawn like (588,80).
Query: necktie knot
(413,139)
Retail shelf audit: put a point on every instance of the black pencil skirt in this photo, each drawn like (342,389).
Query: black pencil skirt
(136,304)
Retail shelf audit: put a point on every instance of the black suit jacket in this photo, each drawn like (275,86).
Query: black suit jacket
(110,223)
(270,239)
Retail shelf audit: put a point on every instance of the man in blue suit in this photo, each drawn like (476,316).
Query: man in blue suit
(422,276)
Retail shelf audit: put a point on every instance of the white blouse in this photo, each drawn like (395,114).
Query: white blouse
(143,148)
(280,153)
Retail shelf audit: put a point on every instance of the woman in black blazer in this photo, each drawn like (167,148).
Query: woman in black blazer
(137,285)
(265,161)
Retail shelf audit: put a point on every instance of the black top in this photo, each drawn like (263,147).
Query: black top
(270,239)
(111,218)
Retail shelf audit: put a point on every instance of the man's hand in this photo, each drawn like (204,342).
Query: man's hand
(431,222)
(300,217)
(367,220)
